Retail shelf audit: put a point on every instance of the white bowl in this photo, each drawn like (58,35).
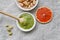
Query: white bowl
(25,8)
(26,30)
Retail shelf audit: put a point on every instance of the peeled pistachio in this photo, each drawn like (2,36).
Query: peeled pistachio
(9,27)
(34,2)
(21,4)
(31,0)
(31,4)
(26,3)
(25,7)
(27,0)
(21,0)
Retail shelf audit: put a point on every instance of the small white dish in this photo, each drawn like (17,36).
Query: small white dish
(26,30)
(25,8)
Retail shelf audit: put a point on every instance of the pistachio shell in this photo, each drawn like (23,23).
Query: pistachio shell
(10,33)
(9,30)
(10,27)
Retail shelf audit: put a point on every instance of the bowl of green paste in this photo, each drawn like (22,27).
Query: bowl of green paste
(29,22)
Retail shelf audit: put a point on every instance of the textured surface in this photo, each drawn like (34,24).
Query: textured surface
(50,31)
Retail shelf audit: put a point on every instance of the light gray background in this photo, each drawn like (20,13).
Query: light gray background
(50,31)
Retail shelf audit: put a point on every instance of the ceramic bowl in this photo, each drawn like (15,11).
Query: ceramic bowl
(26,30)
(27,8)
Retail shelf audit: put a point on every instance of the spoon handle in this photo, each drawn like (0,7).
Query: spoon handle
(7,14)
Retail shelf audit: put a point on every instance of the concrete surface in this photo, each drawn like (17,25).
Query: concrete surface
(50,31)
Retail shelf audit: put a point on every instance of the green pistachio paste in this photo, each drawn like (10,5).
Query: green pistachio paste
(28,21)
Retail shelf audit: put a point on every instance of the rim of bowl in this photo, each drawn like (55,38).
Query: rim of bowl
(48,20)
(27,29)
(25,8)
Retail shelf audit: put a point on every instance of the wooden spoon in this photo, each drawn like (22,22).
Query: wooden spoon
(7,14)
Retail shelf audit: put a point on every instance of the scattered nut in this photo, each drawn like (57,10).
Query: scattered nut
(10,33)
(9,29)
(7,25)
